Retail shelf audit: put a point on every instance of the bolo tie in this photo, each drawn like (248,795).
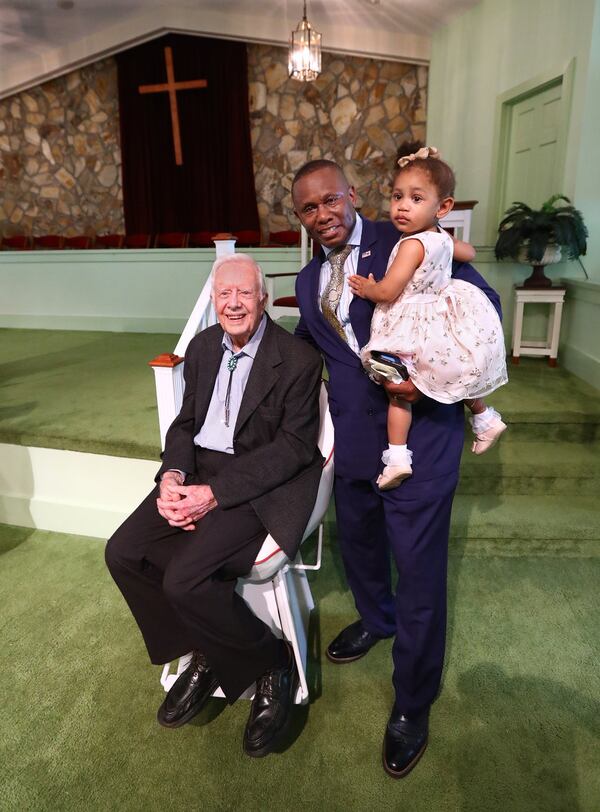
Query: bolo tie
(231,365)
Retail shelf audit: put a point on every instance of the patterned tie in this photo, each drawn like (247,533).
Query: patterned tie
(333,291)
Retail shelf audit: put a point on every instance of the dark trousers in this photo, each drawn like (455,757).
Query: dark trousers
(413,522)
(180,586)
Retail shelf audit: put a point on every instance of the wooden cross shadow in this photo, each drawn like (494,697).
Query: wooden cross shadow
(171,87)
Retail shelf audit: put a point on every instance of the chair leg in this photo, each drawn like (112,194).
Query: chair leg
(167,678)
(295,603)
(284,604)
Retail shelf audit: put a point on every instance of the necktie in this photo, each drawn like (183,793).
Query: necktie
(231,365)
(333,291)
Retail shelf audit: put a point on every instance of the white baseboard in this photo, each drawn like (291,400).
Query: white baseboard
(70,491)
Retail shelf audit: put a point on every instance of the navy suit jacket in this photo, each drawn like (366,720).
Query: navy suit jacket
(358,406)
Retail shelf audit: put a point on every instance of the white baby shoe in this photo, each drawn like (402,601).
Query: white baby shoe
(395,470)
(487,428)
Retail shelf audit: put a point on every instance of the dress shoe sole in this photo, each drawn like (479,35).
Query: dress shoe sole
(193,711)
(271,745)
(344,660)
(409,766)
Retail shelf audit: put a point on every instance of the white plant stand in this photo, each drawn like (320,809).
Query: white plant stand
(555,298)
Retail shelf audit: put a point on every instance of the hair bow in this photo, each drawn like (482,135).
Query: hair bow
(420,154)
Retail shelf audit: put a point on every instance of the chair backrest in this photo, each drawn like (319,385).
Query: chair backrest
(325,443)
(137,241)
(49,242)
(109,240)
(271,557)
(18,242)
(171,239)
(201,239)
(80,242)
(284,238)
(460,218)
(247,238)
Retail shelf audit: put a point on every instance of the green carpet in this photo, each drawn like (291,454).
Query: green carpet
(81,391)
(95,392)
(516,727)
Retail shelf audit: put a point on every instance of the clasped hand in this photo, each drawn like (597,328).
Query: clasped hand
(183,505)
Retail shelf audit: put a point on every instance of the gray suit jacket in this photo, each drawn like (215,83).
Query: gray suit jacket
(276,465)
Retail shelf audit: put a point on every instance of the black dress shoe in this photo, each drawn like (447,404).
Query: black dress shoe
(351,644)
(188,694)
(404,742)
(271,709)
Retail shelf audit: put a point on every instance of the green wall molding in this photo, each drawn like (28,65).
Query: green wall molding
(583,291)
(124,291)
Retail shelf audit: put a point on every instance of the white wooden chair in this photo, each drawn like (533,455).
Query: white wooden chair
(276,588)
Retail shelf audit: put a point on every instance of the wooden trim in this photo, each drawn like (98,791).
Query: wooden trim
(463,205)
(166,359)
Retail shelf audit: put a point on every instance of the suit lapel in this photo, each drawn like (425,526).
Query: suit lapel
(208,369)
(263,376)
(361,310)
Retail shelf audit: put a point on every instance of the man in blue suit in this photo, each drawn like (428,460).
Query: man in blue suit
(411,521)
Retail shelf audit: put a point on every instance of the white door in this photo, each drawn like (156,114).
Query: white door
(532,171)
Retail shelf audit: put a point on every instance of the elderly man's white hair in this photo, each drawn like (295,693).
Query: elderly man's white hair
(241,259)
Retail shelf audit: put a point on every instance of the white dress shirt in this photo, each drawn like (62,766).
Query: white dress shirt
(214,434)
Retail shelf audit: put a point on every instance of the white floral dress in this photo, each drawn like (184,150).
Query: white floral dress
(446,330)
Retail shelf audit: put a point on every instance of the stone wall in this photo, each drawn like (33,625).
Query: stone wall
(356,113)
(60,159)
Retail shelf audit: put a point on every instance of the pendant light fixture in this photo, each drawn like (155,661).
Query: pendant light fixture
(304,63)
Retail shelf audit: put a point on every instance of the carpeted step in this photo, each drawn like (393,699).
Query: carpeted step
(544,404)
(536,469)
(530,519)
(92,391)
(570,426)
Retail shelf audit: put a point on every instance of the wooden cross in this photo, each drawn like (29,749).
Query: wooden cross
(172,87)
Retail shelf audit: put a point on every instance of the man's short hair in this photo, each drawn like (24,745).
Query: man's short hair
(315,166)
(241,259)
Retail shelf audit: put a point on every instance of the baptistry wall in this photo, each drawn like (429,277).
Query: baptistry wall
(357,113)
(60,159)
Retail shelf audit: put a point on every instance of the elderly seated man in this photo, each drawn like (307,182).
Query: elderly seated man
(240,461)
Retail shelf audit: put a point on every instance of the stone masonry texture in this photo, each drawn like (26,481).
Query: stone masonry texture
(60,159)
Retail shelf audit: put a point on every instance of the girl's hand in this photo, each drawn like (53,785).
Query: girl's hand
(362,287)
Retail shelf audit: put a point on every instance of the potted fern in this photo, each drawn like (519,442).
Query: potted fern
(538,237)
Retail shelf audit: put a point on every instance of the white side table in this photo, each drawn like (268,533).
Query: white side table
(551,296)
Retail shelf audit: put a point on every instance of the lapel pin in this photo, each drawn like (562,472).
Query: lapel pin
(366,254)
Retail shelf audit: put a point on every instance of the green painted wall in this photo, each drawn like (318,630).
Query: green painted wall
(494,47)
(587,178)
(135,291)
(497,46)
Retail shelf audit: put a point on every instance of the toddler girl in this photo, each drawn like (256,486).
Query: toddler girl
(445,331)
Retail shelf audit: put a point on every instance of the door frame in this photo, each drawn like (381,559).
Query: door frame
(502,122)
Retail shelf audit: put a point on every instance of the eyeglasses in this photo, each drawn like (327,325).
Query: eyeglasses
(330,202)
